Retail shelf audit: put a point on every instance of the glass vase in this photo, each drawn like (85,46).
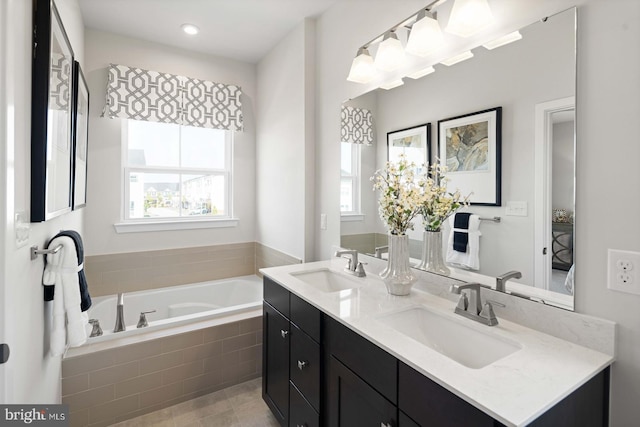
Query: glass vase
(432,260)
(398,276)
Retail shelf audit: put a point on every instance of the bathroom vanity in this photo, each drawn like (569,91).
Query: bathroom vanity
(339,351)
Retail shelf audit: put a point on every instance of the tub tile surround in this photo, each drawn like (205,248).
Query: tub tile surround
(515,389)
(117,384)
(137,271)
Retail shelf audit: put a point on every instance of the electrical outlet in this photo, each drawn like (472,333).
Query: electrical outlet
(623,267)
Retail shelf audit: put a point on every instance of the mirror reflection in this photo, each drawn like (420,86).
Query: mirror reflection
(532,82)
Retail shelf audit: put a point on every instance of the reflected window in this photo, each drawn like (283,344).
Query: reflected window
(350,178)
(175,171)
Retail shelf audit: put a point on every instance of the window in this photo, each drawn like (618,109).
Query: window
(350,179)
(174,172)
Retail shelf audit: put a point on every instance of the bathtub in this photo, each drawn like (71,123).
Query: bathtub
(178,309)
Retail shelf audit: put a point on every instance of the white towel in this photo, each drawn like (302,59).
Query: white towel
(471,258)
(68,325)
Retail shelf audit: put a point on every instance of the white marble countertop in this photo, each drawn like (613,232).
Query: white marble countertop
(515,390)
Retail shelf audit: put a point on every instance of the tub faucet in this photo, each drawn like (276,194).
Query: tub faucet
(353,266)
(476,310)
(501,281)
(120,326)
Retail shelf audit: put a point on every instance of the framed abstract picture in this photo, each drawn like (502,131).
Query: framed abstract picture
(51,115)
(80,136)
(471,148)
(413,142)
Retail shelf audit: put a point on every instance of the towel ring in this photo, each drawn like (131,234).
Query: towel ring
(35,251)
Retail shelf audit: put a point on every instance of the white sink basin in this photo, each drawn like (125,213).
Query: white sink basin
(326,280)
(467,346)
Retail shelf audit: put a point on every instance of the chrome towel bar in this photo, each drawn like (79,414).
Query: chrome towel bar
(494,219)
(35,251)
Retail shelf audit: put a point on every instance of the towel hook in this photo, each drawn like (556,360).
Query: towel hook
(35,251)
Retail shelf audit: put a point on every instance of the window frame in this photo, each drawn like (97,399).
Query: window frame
(129,224)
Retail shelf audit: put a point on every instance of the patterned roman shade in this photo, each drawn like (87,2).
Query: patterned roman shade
(356,126)
(134,93)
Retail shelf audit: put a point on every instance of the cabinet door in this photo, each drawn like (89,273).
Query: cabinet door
(352,402)
(304,368)
(429,404)
(301,413)
(275,355)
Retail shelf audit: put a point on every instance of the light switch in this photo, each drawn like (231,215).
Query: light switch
(323,221)
(22,228)
(516,209)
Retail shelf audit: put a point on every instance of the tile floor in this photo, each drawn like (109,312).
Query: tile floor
(237,406)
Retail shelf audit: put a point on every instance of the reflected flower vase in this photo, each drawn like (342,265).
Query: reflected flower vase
(398,276)
(432,260)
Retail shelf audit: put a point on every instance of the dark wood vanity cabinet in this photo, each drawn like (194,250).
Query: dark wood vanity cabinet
(319,372)
(291,357)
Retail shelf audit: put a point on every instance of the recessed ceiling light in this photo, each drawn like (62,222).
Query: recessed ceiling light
(190,29)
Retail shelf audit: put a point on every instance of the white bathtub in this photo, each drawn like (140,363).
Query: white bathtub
(178,309)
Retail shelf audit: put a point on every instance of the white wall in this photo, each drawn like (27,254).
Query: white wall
(285,170)
(608,93)
(30,375)
(105,153)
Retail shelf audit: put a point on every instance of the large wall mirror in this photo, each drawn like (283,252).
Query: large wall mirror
(533,80)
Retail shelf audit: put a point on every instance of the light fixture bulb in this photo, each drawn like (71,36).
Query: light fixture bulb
(190,29)
(469,17)
(504,40)
(458,58)
(390,55)
(362,68)
(425,36)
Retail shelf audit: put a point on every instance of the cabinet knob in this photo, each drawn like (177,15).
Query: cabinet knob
(284,333)
(385,424)
(301,425)
(301,364)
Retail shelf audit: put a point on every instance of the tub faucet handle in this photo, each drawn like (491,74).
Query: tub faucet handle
(142,323)
(96,331)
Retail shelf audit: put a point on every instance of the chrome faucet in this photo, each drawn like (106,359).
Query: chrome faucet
(353,266)
(501,281)
(476,310)
(380,250)
(120,326)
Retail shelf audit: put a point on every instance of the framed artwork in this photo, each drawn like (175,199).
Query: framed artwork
(414,143)
(471,148)
(80,136)
(51,115)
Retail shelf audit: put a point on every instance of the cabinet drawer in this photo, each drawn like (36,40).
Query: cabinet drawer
(429,404)
(371,363)
(304,366)
(305,316)
(276,295)
(301,413)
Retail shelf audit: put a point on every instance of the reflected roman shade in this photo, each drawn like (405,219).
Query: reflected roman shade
(59,91)
(134,93)
(356,126)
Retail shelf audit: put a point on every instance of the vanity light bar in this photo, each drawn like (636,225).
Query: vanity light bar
(422,73)
(504,40)
(458,58)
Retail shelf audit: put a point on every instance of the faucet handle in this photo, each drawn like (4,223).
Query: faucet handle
(360,269)
(488,314)
(463,302)
(96,330)
(142,322)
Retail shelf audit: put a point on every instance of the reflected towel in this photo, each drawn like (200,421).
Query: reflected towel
(68,324)
(461,237)
(471,258)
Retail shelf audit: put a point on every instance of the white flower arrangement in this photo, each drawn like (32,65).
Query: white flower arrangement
(438,203)
(403,195)
(400,195)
